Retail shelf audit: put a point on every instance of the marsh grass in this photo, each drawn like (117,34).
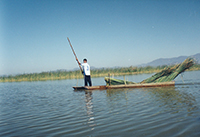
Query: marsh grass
(59,75)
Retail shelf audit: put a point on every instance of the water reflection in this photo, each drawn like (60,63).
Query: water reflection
(89,108)
(168,99)
(117,100)
(117,94)
(173,99)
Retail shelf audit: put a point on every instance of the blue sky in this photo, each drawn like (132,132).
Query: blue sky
(107,32)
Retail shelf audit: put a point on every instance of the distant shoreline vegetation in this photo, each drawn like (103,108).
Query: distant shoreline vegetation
(59,75)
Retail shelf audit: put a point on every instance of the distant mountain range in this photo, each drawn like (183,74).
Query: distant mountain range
(171,61)
(160,62)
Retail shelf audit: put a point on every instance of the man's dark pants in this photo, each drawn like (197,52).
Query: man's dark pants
(88,80)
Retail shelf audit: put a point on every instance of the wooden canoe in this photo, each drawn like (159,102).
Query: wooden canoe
(162,84)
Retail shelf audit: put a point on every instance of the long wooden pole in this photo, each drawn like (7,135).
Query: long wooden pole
(74,54)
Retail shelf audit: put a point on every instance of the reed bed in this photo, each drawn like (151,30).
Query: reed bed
(59,75)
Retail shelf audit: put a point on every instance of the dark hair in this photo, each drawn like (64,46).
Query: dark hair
(85,60)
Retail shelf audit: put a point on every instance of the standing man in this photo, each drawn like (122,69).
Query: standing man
(86,72)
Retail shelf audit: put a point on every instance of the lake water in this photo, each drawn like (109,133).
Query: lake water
(53,108)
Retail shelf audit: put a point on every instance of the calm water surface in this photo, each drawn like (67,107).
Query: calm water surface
(52,108)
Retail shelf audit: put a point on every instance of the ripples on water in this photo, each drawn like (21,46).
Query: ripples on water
(52,108)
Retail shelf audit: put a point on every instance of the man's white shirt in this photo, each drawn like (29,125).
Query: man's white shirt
(86,69)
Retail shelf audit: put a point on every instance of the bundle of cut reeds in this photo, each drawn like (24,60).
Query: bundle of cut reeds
(166,75)
(170,73)
(112,81)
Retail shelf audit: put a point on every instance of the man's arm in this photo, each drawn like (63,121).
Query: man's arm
(80,64)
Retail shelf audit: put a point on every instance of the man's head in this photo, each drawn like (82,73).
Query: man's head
(85,60)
